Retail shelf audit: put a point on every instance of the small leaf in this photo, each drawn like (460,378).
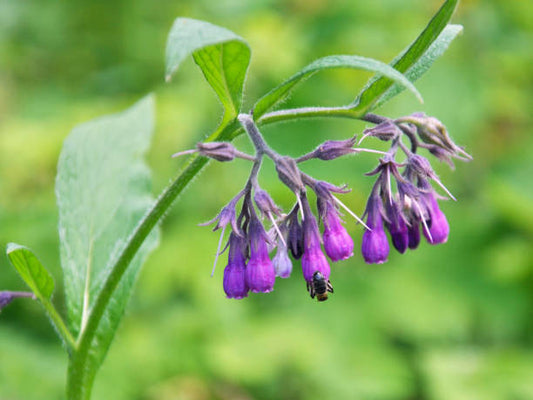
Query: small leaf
(281,92)
(377,86)
(437,48)
(31,271)
(103,190)
(222,56)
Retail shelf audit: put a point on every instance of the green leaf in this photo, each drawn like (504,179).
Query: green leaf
(103,190)
(31,271)
(281,92)
(437,48)
(222,56)
(377,86)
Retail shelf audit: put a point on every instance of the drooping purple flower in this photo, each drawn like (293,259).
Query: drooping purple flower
(313,259)
(337,242)
(282,262)
(439,229)
(235,284)
(260,273)
(375,247)
(295,239)
(397,226)
(413,231)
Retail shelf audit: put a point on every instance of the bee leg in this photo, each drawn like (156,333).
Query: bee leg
(329,287)
(311,290)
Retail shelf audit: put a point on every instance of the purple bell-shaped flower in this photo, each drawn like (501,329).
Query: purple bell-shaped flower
(313,259)
(413,233)
(235,284)
(375,247)
(439,229)
(260,273)
(397,227)
(337,242)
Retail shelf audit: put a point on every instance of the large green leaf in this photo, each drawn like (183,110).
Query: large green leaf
(437,48)
(31,271)
(281,92)
(378,86)
(222,56)
(103,190)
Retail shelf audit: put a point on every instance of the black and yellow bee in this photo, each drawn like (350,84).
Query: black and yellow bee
(319,287)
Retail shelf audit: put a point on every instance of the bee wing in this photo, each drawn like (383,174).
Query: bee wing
(329,287)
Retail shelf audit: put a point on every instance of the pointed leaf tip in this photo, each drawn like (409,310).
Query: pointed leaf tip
(222,56)
(30,269)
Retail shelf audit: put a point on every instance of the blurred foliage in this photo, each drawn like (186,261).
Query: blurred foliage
(447,322)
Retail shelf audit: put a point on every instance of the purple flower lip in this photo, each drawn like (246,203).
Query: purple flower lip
(260,273)
(234,283)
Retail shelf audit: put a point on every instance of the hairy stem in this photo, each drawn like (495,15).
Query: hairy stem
(80,381)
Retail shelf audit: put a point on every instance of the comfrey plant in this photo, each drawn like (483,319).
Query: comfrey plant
(107,216)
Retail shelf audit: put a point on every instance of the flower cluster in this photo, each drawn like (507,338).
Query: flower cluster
(402,201)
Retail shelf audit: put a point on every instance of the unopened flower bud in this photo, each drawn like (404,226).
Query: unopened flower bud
(420,166)
(265,203)
(385,131)
(442,154)
(433,131)
(332,149)
(220,151)
(289,173)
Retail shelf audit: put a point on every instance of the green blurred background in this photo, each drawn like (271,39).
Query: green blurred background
(448,322)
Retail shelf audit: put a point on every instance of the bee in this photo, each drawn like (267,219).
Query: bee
(319,287)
